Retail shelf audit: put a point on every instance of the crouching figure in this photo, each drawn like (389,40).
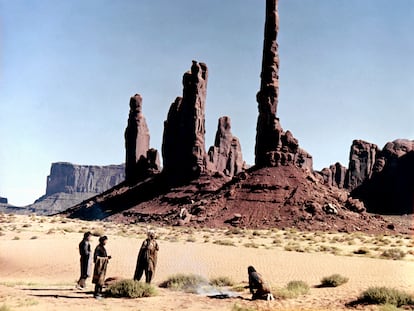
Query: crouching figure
(258,287)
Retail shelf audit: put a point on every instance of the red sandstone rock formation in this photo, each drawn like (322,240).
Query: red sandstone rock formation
(225,156)
(274,147)
(137,138)
(183,148)
(361,162)
(390,188)
(335,175)
(268,132)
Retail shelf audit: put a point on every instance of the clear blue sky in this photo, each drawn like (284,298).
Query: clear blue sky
(68,69)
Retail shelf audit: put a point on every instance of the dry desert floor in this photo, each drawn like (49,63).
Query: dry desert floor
(39,265)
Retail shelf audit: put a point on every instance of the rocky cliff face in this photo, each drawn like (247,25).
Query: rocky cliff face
(361,162)
(390,188)
(226,155)
(183,148)
(68,178)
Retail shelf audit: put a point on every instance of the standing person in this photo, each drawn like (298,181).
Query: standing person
(85,259)
(101,259)
(257,285)
(147,258)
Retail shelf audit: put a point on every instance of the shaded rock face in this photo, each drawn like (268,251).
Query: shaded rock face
(390,188)
(3,200)
(70,178)
(137,139)
(226,155)
(361,163)
(183,149)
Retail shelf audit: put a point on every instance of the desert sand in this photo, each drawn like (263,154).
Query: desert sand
(39,265)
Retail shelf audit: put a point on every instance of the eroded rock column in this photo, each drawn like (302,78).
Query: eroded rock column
(268,126)
(183,149)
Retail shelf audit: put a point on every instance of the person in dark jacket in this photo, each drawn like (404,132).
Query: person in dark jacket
(147,258)
(258,287)
(100,258)
(85,259)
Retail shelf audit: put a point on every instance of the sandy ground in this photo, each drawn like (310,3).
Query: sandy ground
(39,265)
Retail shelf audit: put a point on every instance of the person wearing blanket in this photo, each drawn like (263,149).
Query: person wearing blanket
(101,259)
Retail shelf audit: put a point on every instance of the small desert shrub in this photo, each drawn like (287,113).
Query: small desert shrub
(251,245)
(299,287)
(334,280)
(237,307)
(362,251)
(26,225)
(222,281)
(16,238)
(184,282)
(224,242)
(98,232)
(385,295)
(292,290)
(191,239)
(5,308)
(393,253)
(294,247)
(34,237)
(131,289)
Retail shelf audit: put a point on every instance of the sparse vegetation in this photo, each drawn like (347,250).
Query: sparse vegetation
(333,280)
(98,232)
(385,295)
(224,242)
(222,281)
(393,253)
(184,282)
(388,307)
(131,289)
(251,244)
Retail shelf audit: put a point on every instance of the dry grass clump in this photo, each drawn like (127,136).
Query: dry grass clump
(385,295)
(237,307)
(131,289)
(292,290)
(184,282)
(333,280)
(224,242)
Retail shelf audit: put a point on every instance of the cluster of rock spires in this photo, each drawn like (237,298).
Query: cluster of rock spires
(214,188)
(183,147)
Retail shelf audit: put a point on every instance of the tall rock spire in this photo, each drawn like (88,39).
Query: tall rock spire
(268,127)
(183,148)
(136,137)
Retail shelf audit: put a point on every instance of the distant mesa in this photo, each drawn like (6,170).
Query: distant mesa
(69,184)
(3,200)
